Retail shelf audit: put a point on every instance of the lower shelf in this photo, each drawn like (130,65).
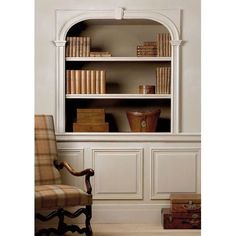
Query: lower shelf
(116,112)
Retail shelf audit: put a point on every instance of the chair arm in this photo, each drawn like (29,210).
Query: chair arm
(87,172)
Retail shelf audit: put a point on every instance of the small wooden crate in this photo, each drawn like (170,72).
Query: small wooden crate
(86,116)
(90,127)
(185,203)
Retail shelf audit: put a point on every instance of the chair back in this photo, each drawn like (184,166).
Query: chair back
(45,151)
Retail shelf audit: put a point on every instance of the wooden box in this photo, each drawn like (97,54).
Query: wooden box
(185,202)
(90,127)
(180,220)
(90,116)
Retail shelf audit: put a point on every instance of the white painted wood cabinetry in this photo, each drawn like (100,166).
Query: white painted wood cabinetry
(137,173)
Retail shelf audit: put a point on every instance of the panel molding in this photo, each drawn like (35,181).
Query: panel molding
(136,174)
(154,194)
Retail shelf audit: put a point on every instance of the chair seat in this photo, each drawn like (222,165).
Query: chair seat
(60,196)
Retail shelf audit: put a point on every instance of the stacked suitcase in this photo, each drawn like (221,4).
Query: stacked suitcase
(184,213)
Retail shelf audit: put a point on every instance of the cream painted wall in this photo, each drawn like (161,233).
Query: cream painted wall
(190,68)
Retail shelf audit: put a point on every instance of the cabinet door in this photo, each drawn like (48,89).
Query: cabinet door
(174,170)
(76,159)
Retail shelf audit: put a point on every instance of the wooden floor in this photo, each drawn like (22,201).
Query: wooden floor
(137,230)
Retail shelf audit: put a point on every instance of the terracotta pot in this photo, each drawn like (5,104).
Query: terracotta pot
(143,121)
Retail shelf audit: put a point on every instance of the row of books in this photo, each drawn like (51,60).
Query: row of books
(85,82)
(163,45)
(77,46)
(163,77)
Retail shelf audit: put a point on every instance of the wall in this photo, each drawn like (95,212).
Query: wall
(45,70)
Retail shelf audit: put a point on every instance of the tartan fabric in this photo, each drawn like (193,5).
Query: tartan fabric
(45,151)
(60,196)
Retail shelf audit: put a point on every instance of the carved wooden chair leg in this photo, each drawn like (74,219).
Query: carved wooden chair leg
(61,225)
(89,231)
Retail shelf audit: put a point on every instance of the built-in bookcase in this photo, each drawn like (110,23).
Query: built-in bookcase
(124,72)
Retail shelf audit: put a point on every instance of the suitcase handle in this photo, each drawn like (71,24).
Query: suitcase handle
(191,207)
(193,222)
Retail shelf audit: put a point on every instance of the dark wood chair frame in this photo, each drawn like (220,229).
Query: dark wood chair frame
(62,227)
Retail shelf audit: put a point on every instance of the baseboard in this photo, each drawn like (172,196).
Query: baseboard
(117,214)
(127,213)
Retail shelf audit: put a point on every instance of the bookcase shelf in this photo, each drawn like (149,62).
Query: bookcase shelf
(118,96)
(124,70)
(144,59)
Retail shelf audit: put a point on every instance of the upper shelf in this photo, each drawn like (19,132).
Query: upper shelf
(118,58)
(119,96)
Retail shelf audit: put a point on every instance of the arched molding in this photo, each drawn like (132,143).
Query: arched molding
(124,14)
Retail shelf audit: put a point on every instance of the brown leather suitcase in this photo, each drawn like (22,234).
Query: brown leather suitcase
(180,220)
(185,203)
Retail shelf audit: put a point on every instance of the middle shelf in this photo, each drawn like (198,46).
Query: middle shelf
(118,59)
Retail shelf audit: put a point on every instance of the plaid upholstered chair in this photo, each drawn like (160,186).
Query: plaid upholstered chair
(50,193)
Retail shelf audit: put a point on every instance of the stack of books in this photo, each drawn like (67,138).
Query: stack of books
(90,120)
(100,54)
(163,78)
(85,82)
(163,45)
(77,46)
(148,49)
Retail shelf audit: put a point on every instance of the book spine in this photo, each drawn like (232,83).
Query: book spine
(80,46)
(97,79)
(77,82)
(88,39)
(102,82)
(93,82)
(165,80)
(165,45)
(158,80)
(84,47)
(161,45)
(70,46)
(169,80)
(169,45)
(72,81)
(158,45)
(67,81)
(88,81)
(83,82)
(77,47)
(73,46)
